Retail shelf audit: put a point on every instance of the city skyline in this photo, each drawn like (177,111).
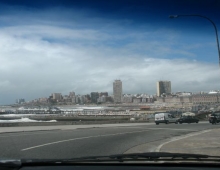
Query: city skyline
(179,98)
(162,87)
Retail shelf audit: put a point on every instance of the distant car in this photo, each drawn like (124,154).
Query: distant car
(216,115)
(188,119)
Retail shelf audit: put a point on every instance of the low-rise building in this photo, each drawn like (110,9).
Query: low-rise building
(127,98)
(43,100)
(206,98)
(101,99)
(137,100)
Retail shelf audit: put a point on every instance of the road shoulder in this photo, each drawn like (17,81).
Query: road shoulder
(202,142)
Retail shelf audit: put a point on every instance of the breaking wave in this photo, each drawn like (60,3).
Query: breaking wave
(24,120)
(16,115)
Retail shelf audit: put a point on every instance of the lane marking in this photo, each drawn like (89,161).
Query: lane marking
(171,129)
(156,128)
(181,137)
(87,137)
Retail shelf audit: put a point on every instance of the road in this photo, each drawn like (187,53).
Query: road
(71,143)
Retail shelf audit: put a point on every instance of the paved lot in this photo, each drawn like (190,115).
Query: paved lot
(93,140)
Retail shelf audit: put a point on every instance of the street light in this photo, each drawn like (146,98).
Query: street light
(216,32)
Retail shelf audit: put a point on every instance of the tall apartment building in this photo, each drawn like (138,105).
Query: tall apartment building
(94,97)
(103,94)
(163,87)
(57,96)
(71,94)
(117,91)
(19,101)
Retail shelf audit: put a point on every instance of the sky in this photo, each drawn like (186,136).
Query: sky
(83,46)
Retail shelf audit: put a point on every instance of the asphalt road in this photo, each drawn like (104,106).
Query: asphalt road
(56,144)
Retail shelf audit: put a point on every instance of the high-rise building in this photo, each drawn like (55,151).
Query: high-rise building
(163,87)
(103,94)
(20,101)
(56,96)
(117,91)
(71,94)
(94,97)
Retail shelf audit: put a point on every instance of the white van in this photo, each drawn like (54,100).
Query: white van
(165,118)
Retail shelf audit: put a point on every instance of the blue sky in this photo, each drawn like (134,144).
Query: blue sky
(83,46)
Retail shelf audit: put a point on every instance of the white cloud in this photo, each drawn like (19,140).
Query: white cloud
(39,59)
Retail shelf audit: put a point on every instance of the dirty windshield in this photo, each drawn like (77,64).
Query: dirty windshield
(99,78)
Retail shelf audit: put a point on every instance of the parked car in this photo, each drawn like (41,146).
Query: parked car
(188,119)
(165,118)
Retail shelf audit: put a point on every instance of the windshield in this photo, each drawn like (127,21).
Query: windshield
(94,78)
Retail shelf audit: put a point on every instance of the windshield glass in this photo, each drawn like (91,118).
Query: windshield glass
(91,78)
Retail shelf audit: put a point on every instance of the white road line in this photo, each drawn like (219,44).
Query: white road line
(171,129)
(181,137)
(46,144)
(154,128)
(61,141)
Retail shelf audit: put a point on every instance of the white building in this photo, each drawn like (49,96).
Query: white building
(137,100)
(101,99)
